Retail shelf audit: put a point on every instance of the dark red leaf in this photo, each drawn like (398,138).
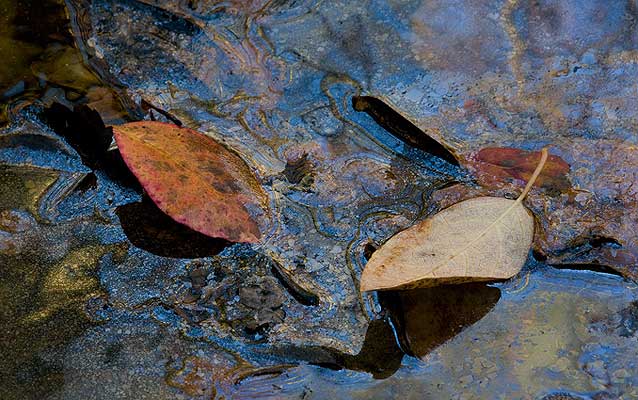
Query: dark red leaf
(495,166)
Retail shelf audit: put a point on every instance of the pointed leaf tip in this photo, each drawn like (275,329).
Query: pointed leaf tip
(480,239)
(485,238)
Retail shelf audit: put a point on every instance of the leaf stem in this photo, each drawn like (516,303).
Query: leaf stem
(535,175)
(528,187)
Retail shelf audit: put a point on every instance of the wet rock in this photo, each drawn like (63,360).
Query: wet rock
(451,36)
(259,306)
(197,376)
(555,86)
(248,300)
(166,366)
(628,320)
(353,182)
(275,81)
(409,65)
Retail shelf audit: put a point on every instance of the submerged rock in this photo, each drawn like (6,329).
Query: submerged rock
(275,83)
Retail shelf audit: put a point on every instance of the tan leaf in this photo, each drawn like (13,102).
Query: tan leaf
(480,239)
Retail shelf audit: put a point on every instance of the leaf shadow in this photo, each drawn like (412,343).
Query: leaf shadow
(380,354)
(427,318)
(421,320)
(83,129)
(148,228)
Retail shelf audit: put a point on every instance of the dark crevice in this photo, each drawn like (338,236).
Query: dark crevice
(585,249)
(393,122)
(328,365)
(586,243)
(178,23)
(147,107)
(588,267)
(447,185)
(628,325)
(88,182)
(538,256)
(302,295)
(271,370)
(148,228)
(299,171)
(368,249)
(604,241)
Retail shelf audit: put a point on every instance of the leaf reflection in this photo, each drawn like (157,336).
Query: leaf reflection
(427,318)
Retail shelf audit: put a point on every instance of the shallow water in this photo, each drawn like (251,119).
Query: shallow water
(100,290)
(550,332)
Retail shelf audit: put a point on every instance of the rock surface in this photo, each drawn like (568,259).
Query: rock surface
(275,81)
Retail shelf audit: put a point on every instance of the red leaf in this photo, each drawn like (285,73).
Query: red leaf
(193,179)
(495,166)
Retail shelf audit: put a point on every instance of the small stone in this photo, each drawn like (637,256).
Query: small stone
(466,380)
(620,375)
